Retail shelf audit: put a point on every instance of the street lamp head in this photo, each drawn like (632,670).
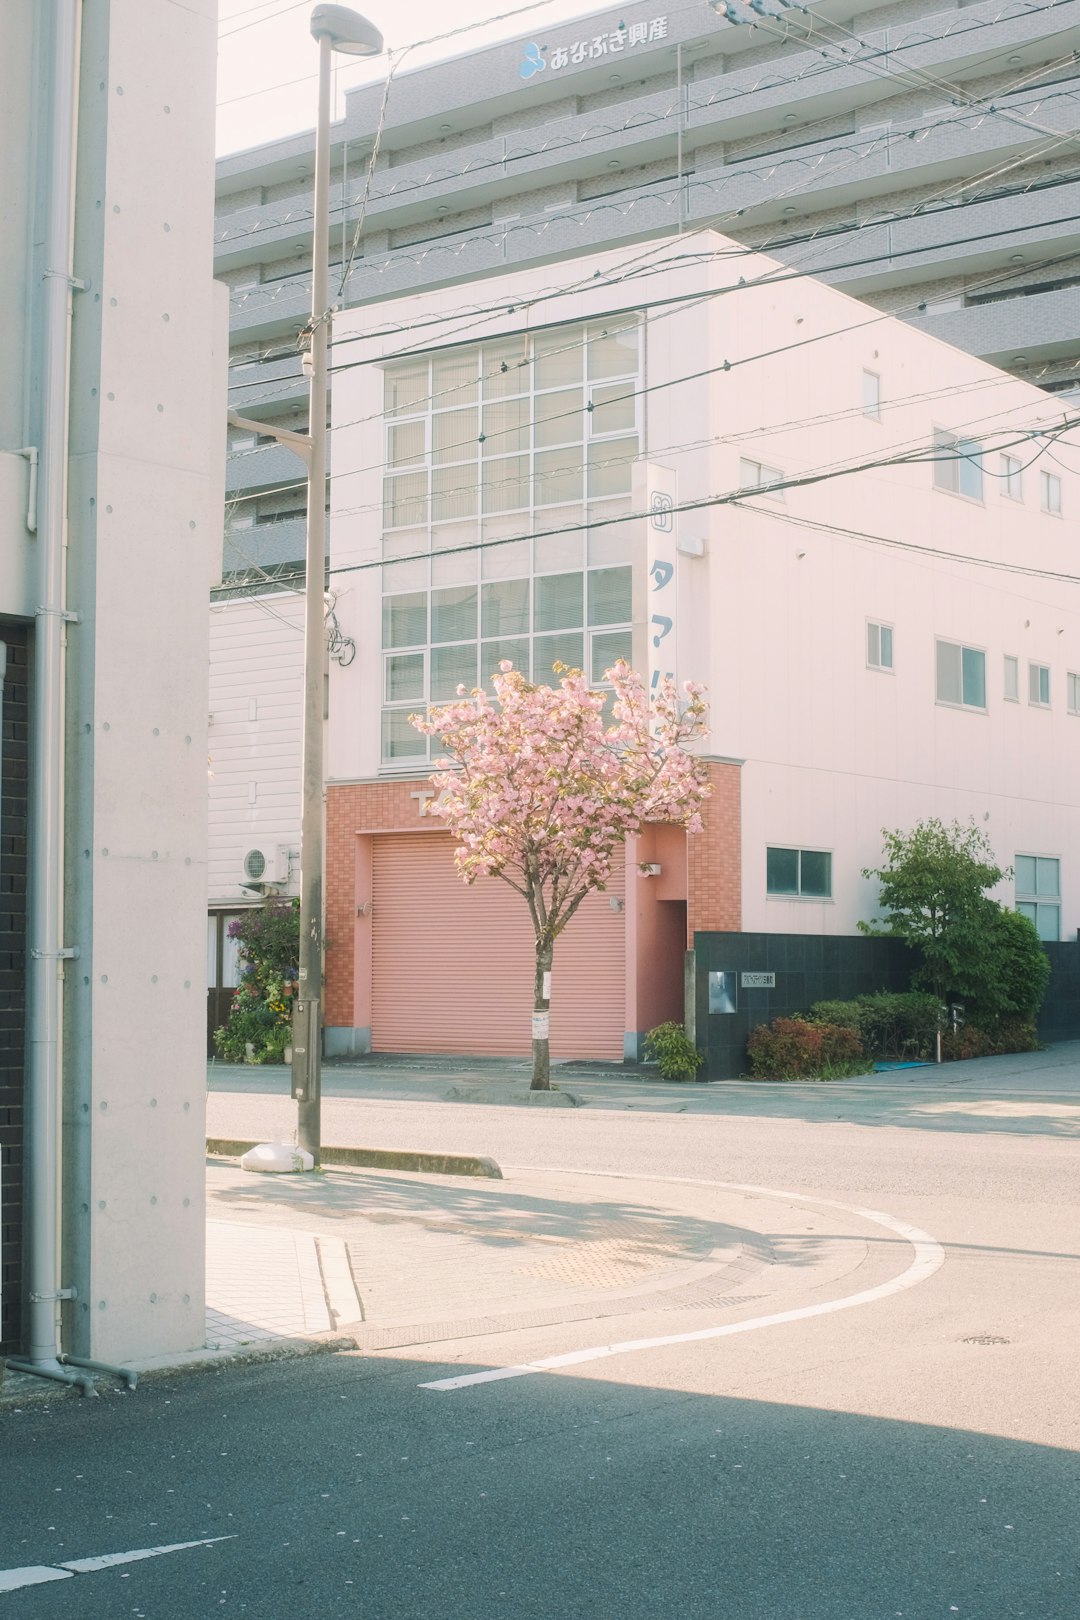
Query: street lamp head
(346,30)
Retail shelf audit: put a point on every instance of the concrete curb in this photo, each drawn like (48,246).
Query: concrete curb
(436,1164)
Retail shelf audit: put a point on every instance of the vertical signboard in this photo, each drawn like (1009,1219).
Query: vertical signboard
(657,488)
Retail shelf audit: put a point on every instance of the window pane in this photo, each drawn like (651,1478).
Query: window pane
(558,476)
(559,602)
(610,467)
(557,357)
(506,426)
(946,475)
(504,368)
(1047,877)
(405,500)
(1048,922)
(614,408)
(405,678)
(549,650)
(1038,683)
(612,353)
(400,740)
(749,473)
(970,473)
(886,647)
(453,613)
(505,608)
(1029,910)
(405,442)
(404,620)
(405,388)
(974,670)
(815,872)
(609,595)
(1025,874)
(782,871)
(1073,682)
(454,435)
(873,644)
(948,673)
(453,493)
(871,393)
(506,484)
(492,654)
(1012,679)
(452,667)
(558,418)
(607,649)
(1011,476)
(453,378)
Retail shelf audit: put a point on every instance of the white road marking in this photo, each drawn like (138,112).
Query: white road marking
(929,1256)
(11,1580)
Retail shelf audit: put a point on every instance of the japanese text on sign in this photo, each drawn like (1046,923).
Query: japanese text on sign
(626,37)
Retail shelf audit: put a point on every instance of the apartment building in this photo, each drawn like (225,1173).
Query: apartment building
(874,559)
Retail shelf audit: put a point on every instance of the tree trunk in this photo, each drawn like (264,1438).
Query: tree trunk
(541,1076)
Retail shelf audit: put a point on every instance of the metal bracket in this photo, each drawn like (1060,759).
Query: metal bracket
(59,613)
(61,1293)
(62,275)
(69,954)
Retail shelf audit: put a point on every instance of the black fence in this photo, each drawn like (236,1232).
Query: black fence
(742,980)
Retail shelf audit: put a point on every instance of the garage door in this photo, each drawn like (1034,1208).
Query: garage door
(452,967)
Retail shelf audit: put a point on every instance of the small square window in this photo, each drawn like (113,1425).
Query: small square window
(879,646)
(1073,685)
(957,465)
(1050,492)
(756,475)
(961,675)
(871,395)
(1012,476)
(1012,679)
(799,873)
(1039,685)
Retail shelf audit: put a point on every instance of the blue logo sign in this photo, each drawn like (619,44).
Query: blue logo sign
(533,63)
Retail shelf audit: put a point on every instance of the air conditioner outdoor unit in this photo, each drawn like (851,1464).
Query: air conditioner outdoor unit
(264,868)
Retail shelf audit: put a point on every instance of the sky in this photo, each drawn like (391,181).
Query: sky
(268,61)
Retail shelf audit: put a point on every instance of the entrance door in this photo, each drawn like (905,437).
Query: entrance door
(221,972)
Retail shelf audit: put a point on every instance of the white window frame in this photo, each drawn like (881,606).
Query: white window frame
(1011,668)
(962,647)
(871,397)
(1051,494)
(949,470)
(1036,674)
(754,474)
(1072,688)
(879,664)
(799,850)
(1012,478)
(1039,900)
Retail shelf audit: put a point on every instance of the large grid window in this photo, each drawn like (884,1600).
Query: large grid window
(487,447)
(1038,893)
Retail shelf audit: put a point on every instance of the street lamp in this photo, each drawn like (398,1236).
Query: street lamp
(336,28)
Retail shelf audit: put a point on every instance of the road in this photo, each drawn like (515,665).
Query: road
(913,1455)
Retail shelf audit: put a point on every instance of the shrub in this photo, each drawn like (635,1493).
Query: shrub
(268,950)
(792,1049)
(971,1041)
(674,1054)
(891,1024)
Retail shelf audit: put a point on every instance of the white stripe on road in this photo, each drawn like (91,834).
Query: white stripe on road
(929,1256)
(11,1580)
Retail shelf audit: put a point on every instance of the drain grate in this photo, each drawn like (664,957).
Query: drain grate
(985,1338)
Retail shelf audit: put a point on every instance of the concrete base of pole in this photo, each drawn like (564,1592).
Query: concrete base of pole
(277,1158)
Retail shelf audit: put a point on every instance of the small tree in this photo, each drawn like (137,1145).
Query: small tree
(541,794)
(933,890)
(268,947)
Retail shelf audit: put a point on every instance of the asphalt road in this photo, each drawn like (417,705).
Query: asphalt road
(915,1456)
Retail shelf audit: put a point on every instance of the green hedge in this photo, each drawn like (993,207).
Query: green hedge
(794,1049)
(898,1025)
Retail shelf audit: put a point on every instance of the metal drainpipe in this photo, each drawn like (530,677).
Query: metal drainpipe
(46,955)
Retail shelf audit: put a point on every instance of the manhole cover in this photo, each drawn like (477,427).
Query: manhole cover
(986,1338)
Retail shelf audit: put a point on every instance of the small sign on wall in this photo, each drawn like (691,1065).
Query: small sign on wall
(757,981)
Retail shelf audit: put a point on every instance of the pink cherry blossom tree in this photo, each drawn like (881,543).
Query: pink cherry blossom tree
(541,793)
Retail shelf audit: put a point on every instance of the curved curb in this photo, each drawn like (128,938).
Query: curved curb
(436,1164)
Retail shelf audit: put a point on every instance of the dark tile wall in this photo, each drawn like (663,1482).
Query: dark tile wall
(14,781)
(816,967)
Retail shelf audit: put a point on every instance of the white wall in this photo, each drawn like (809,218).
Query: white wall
(773,619)
(256,703)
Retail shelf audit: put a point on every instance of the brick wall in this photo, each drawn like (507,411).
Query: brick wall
(352,808)
(14,775)
(714,859)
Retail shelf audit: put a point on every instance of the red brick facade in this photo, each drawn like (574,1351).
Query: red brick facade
(714,858)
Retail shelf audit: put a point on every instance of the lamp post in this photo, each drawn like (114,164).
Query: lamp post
(337,29)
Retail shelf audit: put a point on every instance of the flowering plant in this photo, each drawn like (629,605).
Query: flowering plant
(268,948)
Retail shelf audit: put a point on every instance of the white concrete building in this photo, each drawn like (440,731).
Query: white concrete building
(889,630)
(111,480)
